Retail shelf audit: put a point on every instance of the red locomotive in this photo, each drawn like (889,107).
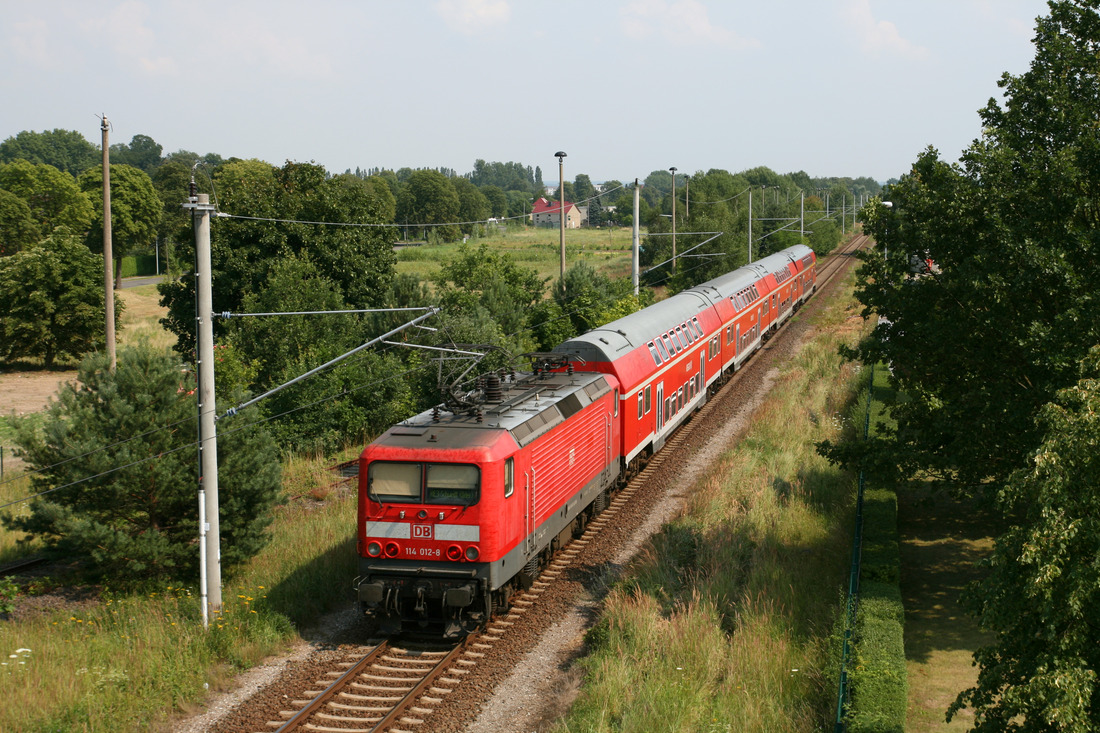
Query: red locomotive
(460,509)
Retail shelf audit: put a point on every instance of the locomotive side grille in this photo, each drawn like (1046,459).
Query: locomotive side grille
(567,460)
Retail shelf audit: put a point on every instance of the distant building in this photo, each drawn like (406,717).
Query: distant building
(545,214)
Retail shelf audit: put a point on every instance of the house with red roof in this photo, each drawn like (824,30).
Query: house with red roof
(545,214)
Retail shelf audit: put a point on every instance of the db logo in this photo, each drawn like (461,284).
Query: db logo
(422,531)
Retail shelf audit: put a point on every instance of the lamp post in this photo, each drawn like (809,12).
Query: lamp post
(673,169)
(561,211)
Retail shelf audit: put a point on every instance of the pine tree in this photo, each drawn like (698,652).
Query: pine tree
(128,437)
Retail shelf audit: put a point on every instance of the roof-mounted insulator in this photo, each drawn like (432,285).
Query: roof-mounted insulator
(570,368)
(493,392)
(435,414)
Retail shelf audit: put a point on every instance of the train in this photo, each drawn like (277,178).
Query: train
(460,508)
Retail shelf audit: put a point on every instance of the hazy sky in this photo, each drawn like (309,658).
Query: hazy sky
(831,87)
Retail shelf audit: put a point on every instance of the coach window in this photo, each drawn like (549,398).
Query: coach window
(654,354)
(648,397)
(668,344)
(661,348)
(641,406)
(675,341)
(509,477)
(452,483)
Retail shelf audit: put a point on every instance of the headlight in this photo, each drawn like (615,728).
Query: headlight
(472,553)
(374,549)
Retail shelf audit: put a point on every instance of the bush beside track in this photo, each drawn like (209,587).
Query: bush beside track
(879,682)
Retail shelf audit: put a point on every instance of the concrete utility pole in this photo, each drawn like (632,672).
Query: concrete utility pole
(210,584)
(634,262)
(561,212)
(802,215)
(750,226)
(673,169)
(108,260)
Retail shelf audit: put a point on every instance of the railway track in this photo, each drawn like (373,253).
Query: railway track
(393,687)
(397,685)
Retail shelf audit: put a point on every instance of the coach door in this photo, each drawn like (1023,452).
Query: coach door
(702,373)
(660,405)
(607,438)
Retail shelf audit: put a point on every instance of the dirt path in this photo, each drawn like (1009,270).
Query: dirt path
(942,539)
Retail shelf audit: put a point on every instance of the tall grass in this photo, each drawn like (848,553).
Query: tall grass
(127,662)
(723,622)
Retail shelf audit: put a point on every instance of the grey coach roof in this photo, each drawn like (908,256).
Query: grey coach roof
(610,341)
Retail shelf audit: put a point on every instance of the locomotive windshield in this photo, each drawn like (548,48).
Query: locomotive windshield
(427,483)
(451,484)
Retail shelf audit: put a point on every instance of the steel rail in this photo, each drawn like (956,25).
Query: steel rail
(326,695)
(414,694)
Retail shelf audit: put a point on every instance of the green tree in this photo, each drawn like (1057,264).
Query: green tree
(51,300)
(172,183)
(979,347)
(1043,588)
(135,212)
(143,152)
(128,437)
(473,206)
(428,197)
(18,229)
(591,299)
(583,188)
(358,259)
(66,150)
(498,200)
(349,402)
(53,196)
(569,193)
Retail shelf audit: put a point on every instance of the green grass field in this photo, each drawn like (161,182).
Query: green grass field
(607,250)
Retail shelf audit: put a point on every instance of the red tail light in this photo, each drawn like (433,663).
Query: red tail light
(454,553)
(392,549)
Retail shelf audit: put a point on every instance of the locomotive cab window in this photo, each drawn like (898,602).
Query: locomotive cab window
(391,482)
(509,477)
(450,483)
(394,482)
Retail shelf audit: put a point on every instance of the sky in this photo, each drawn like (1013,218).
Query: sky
(624,87)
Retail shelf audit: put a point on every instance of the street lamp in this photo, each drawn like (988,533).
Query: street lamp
(561,212)
(673,169)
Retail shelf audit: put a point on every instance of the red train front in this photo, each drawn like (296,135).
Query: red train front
(458,509)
